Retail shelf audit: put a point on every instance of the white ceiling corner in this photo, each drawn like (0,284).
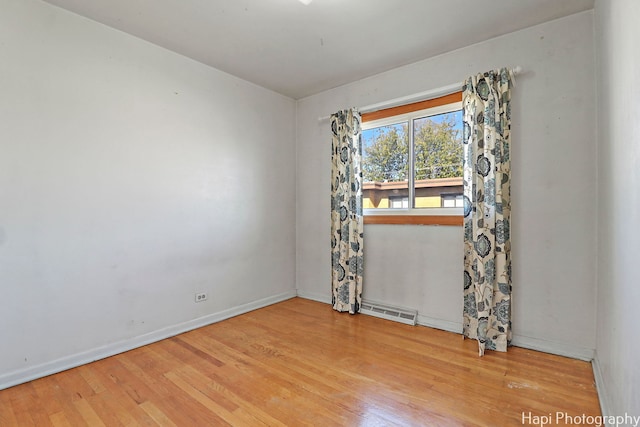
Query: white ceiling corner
(298,50)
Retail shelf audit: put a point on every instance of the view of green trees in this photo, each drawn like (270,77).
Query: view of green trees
(438,150)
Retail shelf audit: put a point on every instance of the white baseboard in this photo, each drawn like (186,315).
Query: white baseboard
(315,296)
(600,387)
(537,344)
(24,375)
(545,346)
(445,325)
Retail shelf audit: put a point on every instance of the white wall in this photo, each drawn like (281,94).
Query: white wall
(554,181)
(618,334)
(130,178)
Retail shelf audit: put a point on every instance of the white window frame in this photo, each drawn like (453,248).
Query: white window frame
(410,117)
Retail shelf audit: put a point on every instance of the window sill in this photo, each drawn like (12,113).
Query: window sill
(452,220)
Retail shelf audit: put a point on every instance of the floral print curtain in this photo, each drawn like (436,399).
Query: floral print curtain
(346,211)
(487,209)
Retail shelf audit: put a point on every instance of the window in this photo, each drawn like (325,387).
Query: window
(396,202)
(452,200)
(412,162)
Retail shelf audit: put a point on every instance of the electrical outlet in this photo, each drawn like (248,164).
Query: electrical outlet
(201,296)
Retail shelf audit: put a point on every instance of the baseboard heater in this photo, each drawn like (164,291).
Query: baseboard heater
(388,312)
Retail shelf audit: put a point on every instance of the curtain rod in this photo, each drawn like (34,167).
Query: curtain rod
(433,93)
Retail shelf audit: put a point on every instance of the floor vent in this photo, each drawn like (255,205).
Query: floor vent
(396,314)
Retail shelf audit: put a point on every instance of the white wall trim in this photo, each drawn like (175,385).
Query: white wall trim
(445,325)
(315,296)
(24,375)
(586,354)
(600,387)
(537,344)
(551,347)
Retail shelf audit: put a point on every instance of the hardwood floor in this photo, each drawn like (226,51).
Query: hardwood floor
(300,363)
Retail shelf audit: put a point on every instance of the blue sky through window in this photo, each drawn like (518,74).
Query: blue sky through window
(369,136)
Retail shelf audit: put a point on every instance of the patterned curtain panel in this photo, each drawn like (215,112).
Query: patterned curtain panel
(346,211)
(487,209)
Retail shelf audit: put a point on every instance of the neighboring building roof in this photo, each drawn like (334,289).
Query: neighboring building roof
(420,183)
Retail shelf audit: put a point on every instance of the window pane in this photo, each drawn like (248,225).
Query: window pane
(438,157)
(398,202)
(452,200)
(448,203)
(385,167)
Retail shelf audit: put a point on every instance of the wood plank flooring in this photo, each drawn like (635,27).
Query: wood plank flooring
(300,363)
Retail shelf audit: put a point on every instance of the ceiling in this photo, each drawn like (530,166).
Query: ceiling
(300,50)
